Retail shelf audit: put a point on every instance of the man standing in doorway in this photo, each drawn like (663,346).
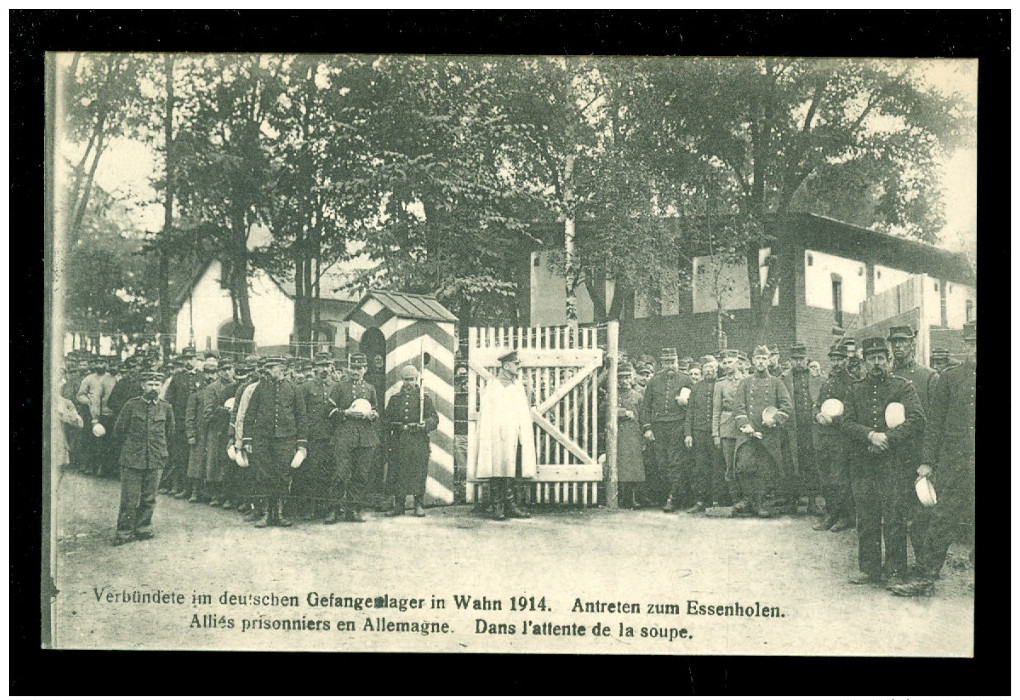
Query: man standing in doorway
(506,438)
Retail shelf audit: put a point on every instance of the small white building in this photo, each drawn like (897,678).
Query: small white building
(205,311)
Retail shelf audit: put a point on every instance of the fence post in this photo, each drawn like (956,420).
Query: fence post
(612,399)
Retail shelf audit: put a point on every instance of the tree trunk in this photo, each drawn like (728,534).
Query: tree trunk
(166,324)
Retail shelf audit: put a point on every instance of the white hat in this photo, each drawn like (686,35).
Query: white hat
(98,430)
(895,415)
(833,408)
(361,406)
(925,491)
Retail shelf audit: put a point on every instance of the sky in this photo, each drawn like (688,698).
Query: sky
(127,165)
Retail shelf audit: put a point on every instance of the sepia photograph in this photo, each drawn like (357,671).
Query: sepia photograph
(511,354)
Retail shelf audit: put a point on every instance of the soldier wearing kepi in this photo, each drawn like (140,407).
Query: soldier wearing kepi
(831,454)
(948,462)
(880,462)
(215,426)
(664,411)
(275,434)
(506,440)
(799,473)
(940,360)
(408,419)
(629,460)
(759,450)
(310,479)
(180,389)
(708,480)
(724,428)
(354,410)
(146,424)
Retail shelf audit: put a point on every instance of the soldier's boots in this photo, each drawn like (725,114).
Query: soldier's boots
(354,516)
(398,507)
(863,578)
(823,525)
(670,507)
(419,507)
(498,512)
(698,507)
(332,518)
(913,589)
(841,525)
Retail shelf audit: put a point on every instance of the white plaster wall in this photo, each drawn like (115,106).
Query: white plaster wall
(956,303)
(717,280)
(888,277)
(818,280)
(272,311)
(549,296)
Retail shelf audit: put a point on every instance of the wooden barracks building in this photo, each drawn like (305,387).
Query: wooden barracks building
(829,269)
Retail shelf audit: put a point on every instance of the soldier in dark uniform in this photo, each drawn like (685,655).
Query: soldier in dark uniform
(310,479)
(940,360)
(408,420)
(759,450)
(194,428)
(215,424)
(948,462)
(663,416)
(145,426)
(708,472)
(233,490)
(800,475)
(831,453)
(355,442)
(181,387)
(275,434)
(879,464)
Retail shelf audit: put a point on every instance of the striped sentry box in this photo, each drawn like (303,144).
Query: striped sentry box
(412,324)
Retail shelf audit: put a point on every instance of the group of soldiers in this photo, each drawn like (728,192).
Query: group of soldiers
(740,431)
(272,437)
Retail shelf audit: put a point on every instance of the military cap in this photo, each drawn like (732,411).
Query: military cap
(210,364)
(939,354)
(869,346)
(798,350)
(304,364)
(508,357)
(731,353)
(408,372)
(685,362)
(210,354)
(323,358)
(624,369)
(274,361)
(901,332)
(226,364)
(668,354)
(970,331)
(188,352)
(838,350)
(742,356)
(705,359)
(645,369)
(762,351)
(242,370)
(357,360)
(151,376)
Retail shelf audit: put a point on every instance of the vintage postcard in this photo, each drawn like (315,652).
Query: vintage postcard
(511,354)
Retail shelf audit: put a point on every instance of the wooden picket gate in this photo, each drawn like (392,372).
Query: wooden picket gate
(562,372)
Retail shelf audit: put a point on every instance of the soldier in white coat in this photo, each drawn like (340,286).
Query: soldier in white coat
(506,438)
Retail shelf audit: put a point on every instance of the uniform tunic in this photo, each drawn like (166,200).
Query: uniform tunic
(504,425)
(630,465)
(408,444)
(216,424)
(178,392)
(758,461)
(949,440)
(832,455)
(355,441)
(275,427)
(665,418)
(146,428)
(878,479)
(723,425)
(708,473)
(310,479)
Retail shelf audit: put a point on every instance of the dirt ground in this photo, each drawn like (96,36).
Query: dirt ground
(643,557)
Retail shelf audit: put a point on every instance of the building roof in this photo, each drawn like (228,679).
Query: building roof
(418,306)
